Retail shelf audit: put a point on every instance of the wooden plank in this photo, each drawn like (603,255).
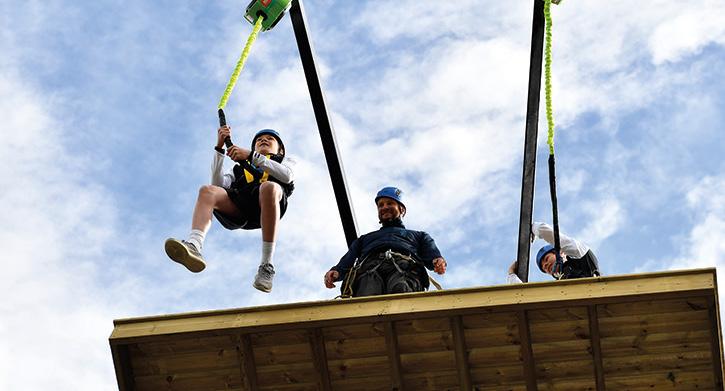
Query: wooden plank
(354,330)
(122,364)
(653,307)
(527,354)
(651,363)
(588,290)
(671,379)
(421,326)
(716,343)
(366,383)
(571,350)
(281,354)
(501,376)
(494,356)
(190,381)
(432,381)
(172,364)
(459,339)
(360,368)
(427,362)
(319,355)
(596,347)
(246,355)
(301,373)
(355,348)
(425,342)
(396,373)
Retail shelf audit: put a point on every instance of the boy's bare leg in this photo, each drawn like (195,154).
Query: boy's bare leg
(270,194)
(210,197)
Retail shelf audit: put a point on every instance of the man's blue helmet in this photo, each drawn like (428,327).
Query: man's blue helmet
(270,132)
(540,256)
(391,192)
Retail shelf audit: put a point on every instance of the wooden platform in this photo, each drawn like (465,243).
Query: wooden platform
(655,331)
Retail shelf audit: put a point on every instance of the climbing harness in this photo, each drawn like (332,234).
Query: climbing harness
(550,139)
(387,256)
(263,14)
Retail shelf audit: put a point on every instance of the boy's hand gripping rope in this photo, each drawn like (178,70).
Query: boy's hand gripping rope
(235,75)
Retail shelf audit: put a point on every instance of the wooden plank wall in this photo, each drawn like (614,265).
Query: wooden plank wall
(644,345)
(657,345)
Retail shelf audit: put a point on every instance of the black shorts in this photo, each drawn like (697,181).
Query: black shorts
(247,201)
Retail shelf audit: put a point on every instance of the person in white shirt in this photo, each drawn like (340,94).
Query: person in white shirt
(578,259)
(252,195)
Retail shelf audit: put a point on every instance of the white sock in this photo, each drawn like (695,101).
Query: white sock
(267,252)
(196,237)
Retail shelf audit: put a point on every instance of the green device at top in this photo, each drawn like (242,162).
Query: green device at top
(271,10)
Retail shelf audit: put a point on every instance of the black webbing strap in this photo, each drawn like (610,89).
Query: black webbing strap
(555,209)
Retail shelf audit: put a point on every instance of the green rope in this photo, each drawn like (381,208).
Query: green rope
(547,77)
(240,63)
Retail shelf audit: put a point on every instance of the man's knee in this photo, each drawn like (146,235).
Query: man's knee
(402,283)
(270,189)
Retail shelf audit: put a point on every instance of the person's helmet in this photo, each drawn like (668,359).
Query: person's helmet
(542,253)
(273,133)
(391,192)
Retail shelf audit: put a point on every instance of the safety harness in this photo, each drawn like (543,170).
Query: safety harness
(394,257)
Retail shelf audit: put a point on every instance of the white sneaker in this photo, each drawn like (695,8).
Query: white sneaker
(185,253)
(263,279)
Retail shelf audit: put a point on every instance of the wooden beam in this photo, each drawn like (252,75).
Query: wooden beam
(245,353)
(396,371)
(556,293)
(319,356)
(716,344)
(459,339)
(124,370)
(596,347)
(527,353)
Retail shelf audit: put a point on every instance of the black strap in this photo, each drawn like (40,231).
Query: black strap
(555,210)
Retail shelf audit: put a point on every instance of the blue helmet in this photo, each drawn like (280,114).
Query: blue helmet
(273,133)
(391,192)
(540,256)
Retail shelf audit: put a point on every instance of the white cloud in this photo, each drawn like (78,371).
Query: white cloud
(704,246)
(56,223)
(604,217)
(687,31)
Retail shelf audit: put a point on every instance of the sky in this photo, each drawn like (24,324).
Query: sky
(108,120)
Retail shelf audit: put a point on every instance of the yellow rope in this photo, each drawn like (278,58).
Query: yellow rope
(240,63)
(547,77)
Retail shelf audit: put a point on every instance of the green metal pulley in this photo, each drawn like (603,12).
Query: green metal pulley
(270,10)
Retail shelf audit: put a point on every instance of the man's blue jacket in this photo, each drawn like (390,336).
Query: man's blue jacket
(391,236)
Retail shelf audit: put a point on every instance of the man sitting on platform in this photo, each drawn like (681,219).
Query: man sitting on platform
(392,259)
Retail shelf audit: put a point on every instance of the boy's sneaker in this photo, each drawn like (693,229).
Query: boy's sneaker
(185,253)
(263,279)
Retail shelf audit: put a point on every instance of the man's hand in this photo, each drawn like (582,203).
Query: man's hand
(512,268)
(439,265)
(330,278)
(223,132)
(238,154)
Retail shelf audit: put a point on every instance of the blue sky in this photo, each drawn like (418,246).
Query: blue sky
(109,118)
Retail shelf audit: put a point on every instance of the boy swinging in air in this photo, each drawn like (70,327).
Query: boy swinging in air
(252,195)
